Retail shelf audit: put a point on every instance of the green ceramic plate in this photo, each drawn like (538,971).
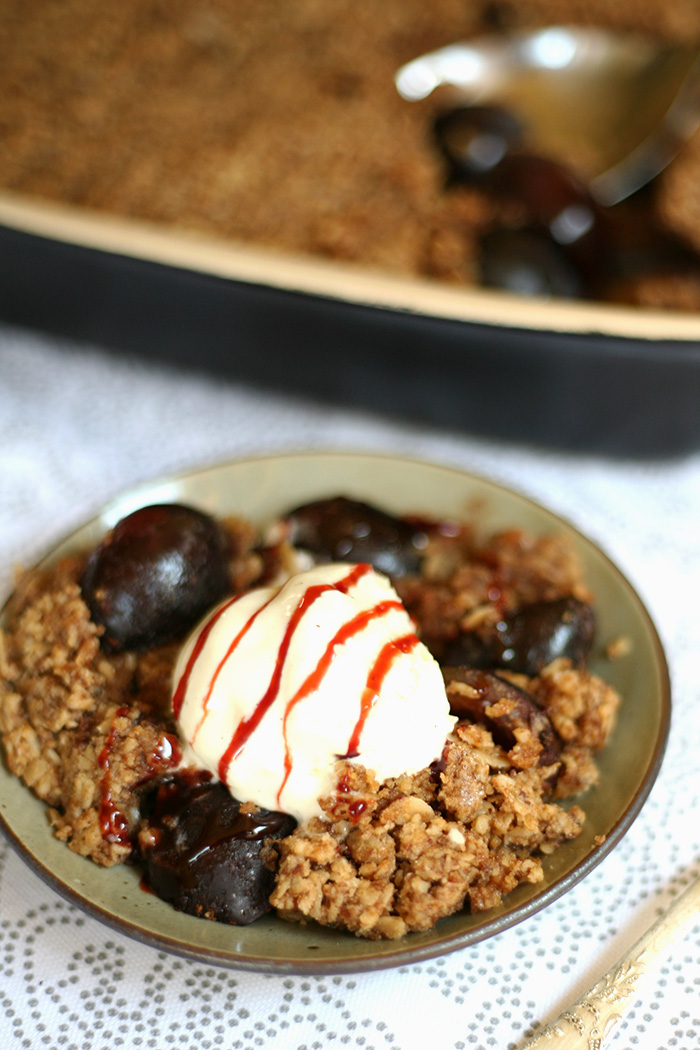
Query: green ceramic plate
(262,488)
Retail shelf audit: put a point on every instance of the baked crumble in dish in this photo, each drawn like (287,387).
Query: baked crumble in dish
(279,126)
(118,666)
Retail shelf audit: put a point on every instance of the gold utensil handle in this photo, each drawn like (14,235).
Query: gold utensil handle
(589,1023)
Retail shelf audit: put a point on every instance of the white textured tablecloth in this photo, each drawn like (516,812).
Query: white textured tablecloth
(76,427)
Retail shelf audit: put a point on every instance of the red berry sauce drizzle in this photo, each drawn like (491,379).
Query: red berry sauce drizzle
(179,695)
(247,726)
(114,825)
(375,679)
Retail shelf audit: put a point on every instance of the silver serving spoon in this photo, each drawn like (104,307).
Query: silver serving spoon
(591,1022)
(614,107)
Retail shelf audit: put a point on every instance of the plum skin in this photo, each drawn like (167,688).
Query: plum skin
(154,575)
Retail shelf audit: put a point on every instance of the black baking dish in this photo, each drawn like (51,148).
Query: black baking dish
(569,375)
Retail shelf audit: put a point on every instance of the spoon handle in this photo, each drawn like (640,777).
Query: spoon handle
(589,1023)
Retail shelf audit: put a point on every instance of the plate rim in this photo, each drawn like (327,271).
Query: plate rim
(395,955)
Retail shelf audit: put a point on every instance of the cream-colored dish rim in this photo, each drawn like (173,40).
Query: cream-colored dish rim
(206,254)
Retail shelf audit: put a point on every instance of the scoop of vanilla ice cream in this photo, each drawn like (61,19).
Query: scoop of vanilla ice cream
(279,683)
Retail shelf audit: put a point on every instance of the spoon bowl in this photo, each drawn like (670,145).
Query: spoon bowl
(615,108)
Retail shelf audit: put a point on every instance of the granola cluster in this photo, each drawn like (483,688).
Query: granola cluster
(392,858)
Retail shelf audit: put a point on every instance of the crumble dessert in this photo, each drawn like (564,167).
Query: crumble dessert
(280,125)
(100,710)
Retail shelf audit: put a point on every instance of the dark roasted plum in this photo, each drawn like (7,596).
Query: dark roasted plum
(530,638)
(551,193)
(204,855)
(502,708)
(154,575)
(341,529)
(528,262)
(475,139)
(549,236)
(555,202)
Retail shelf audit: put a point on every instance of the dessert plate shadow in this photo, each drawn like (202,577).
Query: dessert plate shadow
(261,488)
